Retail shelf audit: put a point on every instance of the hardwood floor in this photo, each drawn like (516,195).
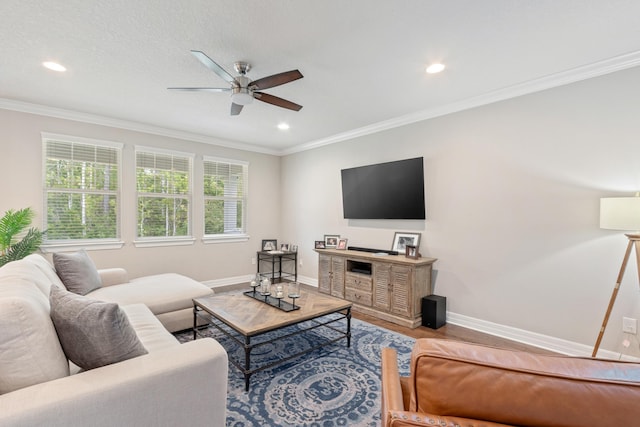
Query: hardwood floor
(451,332)
(448,331)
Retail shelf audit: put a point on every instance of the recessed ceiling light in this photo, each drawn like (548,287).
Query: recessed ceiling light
(435,68)
(54,66)
(283,126)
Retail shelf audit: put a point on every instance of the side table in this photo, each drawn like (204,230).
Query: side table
(276,265)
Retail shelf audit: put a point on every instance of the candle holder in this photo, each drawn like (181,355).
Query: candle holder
(255,282)
(273,294)
(293,292)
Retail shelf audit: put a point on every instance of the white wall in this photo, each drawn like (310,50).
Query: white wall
(512,195)
(512,205)
(21,186)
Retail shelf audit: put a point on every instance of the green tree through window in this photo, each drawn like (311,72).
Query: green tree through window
(164,193)
(81,184)
(225,196)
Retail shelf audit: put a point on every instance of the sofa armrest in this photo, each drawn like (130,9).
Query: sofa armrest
(391,387)
(113,276)
(185,384)
(416,419)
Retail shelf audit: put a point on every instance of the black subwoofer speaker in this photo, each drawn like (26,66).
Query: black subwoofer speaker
(434,311)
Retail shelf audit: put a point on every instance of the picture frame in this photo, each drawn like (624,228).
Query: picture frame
(342,244)
(294,248)
(411,251)
(401,239)
(269,244)
(284,247)
(331,240)
(319,244)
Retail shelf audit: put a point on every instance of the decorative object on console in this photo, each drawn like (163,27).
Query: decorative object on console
(402,239)
(269,244)
(620,213)
(411,251)
(319,244)
(294,248)
(284,247)
(342,244)
(331,240)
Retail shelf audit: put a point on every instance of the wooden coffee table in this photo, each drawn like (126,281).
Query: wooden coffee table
(246,319)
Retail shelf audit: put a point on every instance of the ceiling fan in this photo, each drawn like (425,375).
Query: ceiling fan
(243,89)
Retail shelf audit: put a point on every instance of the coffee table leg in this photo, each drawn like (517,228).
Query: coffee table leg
(195,321)
(349,327)
(247,362)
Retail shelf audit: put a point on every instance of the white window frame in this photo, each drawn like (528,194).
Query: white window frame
(164,240)
(241,236)
(88,244)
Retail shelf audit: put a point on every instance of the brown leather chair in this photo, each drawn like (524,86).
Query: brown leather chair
(459,384)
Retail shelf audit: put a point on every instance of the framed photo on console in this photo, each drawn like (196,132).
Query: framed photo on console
(411,252)
(331,240)
(269,245)
(320,244)
(342,244)
(402,239)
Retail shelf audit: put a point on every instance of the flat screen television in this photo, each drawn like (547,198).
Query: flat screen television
(392,190)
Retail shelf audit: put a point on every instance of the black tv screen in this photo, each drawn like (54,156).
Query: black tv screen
(392,190)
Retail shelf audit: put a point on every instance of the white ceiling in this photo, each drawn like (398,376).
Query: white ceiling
(363,60)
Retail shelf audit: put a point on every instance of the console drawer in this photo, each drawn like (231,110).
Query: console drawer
(358,296)
(358,281)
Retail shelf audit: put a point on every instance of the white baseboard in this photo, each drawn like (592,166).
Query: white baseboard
(227,281)
(531,338)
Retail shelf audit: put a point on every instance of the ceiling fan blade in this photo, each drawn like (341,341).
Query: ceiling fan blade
(210,64)
(274,100)
(277,79)
(205,89)
(235,109)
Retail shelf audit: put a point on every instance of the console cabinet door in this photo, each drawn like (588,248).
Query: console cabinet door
(324,274)
(337,277)
(331,275)
(401,279)
(381,286)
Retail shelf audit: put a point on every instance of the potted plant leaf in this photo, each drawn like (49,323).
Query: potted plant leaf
(16,241)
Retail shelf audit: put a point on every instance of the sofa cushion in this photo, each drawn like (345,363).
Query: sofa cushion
(162,293)
(30,352)
(150,331)
(92,333)
(77,271)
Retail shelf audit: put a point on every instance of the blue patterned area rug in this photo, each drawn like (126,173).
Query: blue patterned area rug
(331,386)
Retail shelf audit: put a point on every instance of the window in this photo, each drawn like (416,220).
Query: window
(225,197)
(82,188)
(163,181)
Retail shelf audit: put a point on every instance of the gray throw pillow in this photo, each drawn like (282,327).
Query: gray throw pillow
(92,333)
(77,271)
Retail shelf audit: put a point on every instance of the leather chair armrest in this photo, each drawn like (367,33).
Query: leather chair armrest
(392,399)
(416,419)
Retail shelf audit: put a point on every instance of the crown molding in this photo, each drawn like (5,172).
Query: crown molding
(573,75)
(61,113)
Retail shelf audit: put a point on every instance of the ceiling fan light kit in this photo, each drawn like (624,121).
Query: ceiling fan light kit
(243,89)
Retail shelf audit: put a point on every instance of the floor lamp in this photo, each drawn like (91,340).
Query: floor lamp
(620,213)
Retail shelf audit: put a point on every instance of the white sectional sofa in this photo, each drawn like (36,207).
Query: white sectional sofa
(172,384)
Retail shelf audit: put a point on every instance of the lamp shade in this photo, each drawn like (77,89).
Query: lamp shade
(620,213)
